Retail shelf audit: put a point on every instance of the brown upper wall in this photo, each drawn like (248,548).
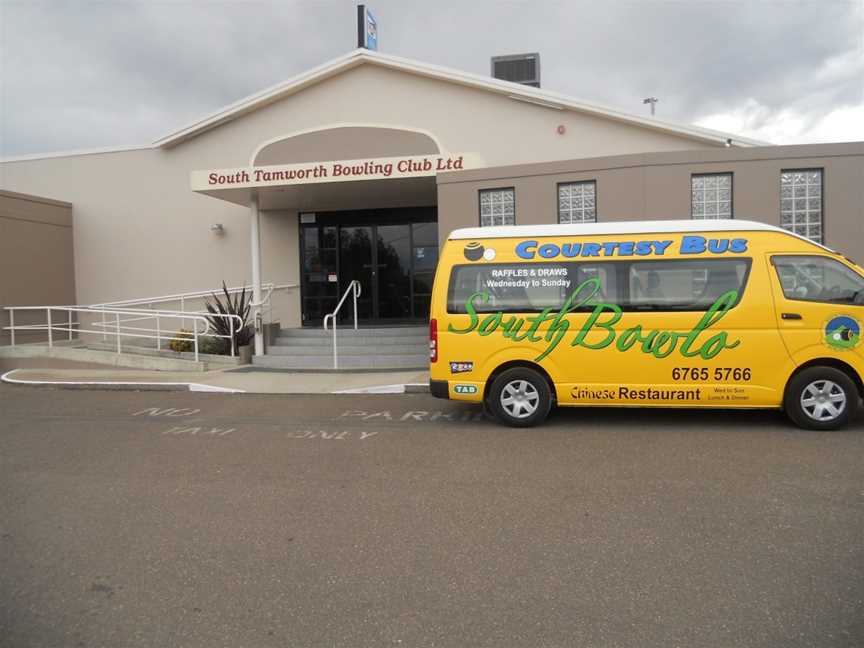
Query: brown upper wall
(36,259)
(35,208)
(665,158)
(657,186)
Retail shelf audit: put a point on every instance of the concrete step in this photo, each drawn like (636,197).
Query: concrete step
(348,363)
(212,361)
(351,340)
(382,331)
(108,358)
(347,349)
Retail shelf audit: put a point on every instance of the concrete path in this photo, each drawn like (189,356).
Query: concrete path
(79,375)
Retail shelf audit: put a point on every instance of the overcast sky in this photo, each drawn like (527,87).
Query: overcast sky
(84,74)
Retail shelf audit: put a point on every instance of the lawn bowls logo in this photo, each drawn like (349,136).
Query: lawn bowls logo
(476,251)
(842,332)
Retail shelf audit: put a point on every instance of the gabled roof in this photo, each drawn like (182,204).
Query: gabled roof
(512,90)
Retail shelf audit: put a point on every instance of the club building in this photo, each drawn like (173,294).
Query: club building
(359,168)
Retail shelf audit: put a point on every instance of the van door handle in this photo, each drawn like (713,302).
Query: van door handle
(790,316)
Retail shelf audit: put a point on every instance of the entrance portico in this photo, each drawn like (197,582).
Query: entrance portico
(372,220)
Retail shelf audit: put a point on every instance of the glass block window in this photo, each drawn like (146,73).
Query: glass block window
(801,202)
(711,195)
(577,202)
(497,207)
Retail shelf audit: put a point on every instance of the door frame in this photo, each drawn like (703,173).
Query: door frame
(363,218)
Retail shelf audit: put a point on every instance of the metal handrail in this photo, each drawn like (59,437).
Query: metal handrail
(356,289)
(270,287)
(183,298)
(120,327)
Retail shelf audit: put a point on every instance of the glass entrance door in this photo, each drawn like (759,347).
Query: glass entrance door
(392,253)
(392,282)
(356,261)
(379,257)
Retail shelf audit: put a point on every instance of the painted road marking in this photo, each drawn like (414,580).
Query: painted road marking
(330,436)
(202,431)
(168,411)
(305,435)
(422,416)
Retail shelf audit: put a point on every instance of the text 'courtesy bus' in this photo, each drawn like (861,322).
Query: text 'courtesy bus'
(663,313)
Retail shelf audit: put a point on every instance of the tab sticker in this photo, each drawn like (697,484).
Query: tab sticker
(465,389)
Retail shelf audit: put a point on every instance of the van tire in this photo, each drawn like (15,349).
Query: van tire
(814,384)
(528,393)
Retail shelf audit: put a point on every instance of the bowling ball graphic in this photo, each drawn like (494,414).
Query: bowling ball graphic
(843,332)
(474,251)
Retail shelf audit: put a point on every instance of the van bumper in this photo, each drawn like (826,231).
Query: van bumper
(439,388)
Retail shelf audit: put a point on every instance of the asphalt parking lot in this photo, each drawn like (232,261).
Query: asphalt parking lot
(181,519)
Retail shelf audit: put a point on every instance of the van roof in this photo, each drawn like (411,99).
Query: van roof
(622,227)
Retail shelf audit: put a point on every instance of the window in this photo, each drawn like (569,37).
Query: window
(497,207)
(424,238)
(711,195)
(819,279)
(577,202)
(667,285)
(685,284)
(801,202)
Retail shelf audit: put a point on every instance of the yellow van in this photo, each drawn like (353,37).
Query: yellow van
(667,313)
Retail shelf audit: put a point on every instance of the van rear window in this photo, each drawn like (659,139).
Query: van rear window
(657,285)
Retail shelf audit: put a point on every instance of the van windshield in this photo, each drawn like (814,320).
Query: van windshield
(657,285)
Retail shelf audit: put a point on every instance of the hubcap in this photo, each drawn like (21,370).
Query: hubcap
(519,398)
(823,400)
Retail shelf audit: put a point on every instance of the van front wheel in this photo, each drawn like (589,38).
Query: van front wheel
(821,398)
(519,397)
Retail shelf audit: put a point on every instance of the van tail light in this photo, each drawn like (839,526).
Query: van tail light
(433,340)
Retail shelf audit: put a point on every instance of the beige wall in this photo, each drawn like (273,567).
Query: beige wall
(657,186)
(346,143)
(280,242)
(140,231)
(36,259)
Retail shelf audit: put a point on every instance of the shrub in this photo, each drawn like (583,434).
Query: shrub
(185,343)
(240,305)
(213,345)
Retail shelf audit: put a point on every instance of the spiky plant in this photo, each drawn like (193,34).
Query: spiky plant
(240,304)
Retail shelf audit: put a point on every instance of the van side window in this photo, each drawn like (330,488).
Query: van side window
(662,285)
(683,284)
(818,279)
(512,287)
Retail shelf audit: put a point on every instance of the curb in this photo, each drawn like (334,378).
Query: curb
(417,388)
(113,385)
(398,388)
(118,385)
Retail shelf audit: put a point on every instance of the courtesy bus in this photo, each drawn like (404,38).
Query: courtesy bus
(723,313)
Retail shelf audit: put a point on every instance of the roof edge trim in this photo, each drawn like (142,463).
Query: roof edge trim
(512,90)
(76,153)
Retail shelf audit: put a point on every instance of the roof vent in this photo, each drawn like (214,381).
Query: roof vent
(518,68)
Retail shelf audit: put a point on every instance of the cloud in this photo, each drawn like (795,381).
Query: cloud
(831,109)
(790,126)
(88,74)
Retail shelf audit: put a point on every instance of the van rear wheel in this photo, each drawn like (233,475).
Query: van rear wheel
(821,398)
(519,397)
